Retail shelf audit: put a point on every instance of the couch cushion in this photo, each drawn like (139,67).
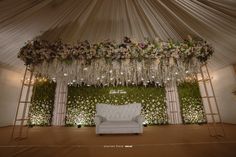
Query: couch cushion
(119,124)
(118,112)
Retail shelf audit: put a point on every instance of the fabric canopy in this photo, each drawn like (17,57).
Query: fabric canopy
(98,20)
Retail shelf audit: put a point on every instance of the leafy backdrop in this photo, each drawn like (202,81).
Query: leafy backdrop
(191,103)
(82,100)
(81,104)
(42,101)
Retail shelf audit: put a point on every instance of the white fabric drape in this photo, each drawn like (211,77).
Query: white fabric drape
(173,104)
(96,20)
(59,111)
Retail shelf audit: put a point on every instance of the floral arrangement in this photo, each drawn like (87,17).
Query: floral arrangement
(38,51)
(111,63)
(191,103)
(81,103)
(42,102)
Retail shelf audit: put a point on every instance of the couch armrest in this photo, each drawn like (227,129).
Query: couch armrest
(99,119)
(139,119)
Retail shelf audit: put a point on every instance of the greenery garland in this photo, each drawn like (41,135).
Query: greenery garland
(81,102)
(191,103)
(42,103)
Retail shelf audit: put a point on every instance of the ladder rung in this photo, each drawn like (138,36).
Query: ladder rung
(173,111)
(212,113)
(27,84)
(203,80)
(170,90)
(172,101)
(22,119)
(26,102)
(208,97)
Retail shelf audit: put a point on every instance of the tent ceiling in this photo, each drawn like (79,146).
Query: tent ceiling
(96,20)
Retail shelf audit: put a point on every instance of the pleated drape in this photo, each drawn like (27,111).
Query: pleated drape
(96,20)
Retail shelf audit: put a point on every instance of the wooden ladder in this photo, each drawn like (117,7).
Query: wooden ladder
(211,109)
(20,126)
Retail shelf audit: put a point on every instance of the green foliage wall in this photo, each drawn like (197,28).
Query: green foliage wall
(81,103)
(42,102)
(191,103)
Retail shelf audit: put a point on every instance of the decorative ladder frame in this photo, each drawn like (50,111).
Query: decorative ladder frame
(215,130)
(24,103)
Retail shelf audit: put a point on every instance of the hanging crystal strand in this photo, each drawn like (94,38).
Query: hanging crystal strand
(80,71)
(114,72)
(121,73)
(157,70)
(110,75)
(164,70)
(66,71)
(110,78)
(104,76)
(97,72)
(143,74)
(138,72)
(92,69)
(100,74)
(125,67)
(76,71)
(128,71)
(72,72)
(117,72)
(103,71)
(148,62)
(134,72)
(167,70)
(86,74)
(86,71)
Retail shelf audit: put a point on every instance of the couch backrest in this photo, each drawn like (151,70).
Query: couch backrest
(118,112)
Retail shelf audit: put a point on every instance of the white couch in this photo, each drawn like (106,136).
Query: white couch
(118,119)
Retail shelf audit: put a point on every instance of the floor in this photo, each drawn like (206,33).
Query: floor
(163,141)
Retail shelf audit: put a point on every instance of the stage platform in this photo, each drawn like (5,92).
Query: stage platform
(163,141)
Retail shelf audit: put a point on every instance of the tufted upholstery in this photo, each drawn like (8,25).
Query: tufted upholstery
(118,118)
(118,112)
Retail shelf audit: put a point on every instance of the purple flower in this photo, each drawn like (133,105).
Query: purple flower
(142,45)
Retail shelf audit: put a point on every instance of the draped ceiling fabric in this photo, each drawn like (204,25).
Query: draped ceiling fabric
(98,20)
